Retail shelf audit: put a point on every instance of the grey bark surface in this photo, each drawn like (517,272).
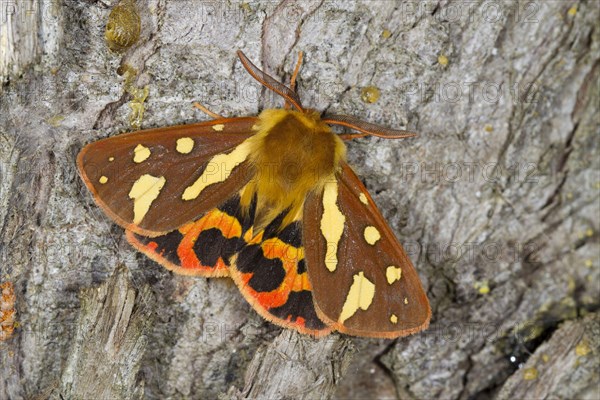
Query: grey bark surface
(496,201)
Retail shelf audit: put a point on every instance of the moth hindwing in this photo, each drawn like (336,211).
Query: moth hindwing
(270,202)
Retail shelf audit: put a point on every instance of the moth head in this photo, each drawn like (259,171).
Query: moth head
(312,114)
(292,99)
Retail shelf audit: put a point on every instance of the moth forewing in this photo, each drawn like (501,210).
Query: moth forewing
(363,282)
(139,178)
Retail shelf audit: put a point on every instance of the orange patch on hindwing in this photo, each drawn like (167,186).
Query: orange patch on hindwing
(271,275)
(202,247)
(290,257)
(229,227)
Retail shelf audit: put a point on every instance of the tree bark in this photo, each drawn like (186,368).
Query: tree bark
(496,201)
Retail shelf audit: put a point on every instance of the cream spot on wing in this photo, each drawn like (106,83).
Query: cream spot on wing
(184,145)
(406,300)
(393,319)
(103,179)
(372,235)
(143,192)
(218,127)
(140,153)
(218,170)
(111,159)
(360,295)
(363,199)
(393,274)
(332,224)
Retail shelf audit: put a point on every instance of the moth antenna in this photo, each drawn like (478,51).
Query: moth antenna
(366,128)
(294,75)
(288,94)
(207,111)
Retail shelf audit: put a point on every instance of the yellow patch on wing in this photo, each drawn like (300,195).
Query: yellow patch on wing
(290,253)
(332,223)
(360,295)
(406,300)
(140,153)
(394,319)
(372,235)
(143,192)
(111,159)
(363,199)
(224,164)
(218,127)
(393,274)
(185,145)
(251,238)
(103,179)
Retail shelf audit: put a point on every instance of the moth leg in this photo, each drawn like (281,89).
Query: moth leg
(207,111)
(296,70)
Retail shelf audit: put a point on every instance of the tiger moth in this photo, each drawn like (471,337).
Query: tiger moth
(270,202)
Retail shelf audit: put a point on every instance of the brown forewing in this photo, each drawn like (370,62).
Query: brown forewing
(168,211)
(405,298)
